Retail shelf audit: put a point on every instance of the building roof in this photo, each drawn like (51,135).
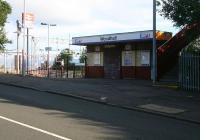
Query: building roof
(120,37)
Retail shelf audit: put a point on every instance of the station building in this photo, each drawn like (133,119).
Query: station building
(121,55)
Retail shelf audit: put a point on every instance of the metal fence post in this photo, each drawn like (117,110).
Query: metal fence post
(74,70)
(198,72)
(67,69)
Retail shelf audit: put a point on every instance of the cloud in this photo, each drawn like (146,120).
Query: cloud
(80,12)
(87,17)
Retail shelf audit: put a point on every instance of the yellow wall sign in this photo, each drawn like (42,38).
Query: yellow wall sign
(163,35)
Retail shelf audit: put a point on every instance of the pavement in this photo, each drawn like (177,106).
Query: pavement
(27,114)
(137,95)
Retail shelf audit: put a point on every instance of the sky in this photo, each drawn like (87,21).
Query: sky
(81,18)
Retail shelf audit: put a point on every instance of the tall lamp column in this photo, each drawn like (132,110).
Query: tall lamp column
(48,47)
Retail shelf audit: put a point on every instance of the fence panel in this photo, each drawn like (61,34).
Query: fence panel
(189,71)
(72,71)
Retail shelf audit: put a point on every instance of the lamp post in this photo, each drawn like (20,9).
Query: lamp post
(18,32)
(24,29)
(48,47)
(154,76)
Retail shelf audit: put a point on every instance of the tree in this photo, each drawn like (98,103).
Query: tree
(183,13)
(83,56)
(65,56)
(5,9)
(194,46)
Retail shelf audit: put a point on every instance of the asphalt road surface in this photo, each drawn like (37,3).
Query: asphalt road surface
(32,115)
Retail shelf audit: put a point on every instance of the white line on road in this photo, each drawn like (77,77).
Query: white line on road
(34,128)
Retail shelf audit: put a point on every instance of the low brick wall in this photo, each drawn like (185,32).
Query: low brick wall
(136,72)
(95,72)
(126,72)
(143,73)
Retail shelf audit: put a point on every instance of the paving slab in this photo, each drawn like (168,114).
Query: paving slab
(163,109)
(122,93)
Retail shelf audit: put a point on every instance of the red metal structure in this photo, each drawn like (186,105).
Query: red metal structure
(168,52)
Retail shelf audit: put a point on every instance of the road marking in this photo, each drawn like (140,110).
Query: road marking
(35,128)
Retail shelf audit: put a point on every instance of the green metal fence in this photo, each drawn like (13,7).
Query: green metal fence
(189,71)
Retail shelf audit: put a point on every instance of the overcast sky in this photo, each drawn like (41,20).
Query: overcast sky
(85,17)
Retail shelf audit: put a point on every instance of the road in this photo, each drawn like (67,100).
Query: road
(31,115)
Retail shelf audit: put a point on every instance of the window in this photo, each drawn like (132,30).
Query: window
(145,58)
(97,58)
(128,58)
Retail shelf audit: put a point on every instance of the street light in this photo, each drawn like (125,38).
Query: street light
(24,29)
(48,48)
(18,32)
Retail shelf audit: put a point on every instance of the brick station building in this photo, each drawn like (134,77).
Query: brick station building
(120,55)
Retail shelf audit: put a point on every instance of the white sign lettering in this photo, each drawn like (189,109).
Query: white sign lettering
(109,38)
(145,35)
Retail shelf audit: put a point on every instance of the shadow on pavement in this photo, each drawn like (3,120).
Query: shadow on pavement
(119,124)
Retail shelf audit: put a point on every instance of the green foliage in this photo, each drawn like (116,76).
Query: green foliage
(181,12)
(194,46)
(65,56)
(5,9)
(184,13)
(3,39)
(82,57)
